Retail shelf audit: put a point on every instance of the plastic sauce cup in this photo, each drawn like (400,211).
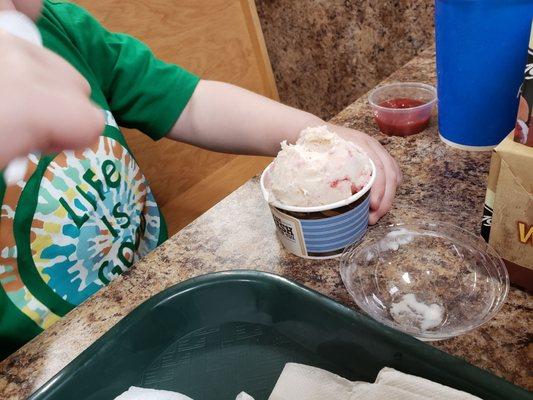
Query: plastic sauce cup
(323,231)
(403,109)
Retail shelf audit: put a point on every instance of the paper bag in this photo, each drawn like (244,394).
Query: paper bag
(508,213)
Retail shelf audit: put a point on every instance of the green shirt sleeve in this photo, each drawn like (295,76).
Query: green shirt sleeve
(142,91)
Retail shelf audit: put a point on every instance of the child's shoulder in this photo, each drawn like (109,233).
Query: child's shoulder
(56,2)
(57,5)
(64,12)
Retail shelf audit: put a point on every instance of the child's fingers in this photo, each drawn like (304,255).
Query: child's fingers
(63,122)
(388,174)
(42,66)
(68,121)
(378,188)
(82,124)
(89,123)
(58,72)
(67,75)
(6,5)
(373,149)
(379,157)
(391,176)
(388,197)
(393,173)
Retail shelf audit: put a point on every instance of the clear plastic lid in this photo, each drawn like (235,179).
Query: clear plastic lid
(431,280)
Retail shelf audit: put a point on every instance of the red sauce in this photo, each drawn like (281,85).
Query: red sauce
(336,182)
(402,124)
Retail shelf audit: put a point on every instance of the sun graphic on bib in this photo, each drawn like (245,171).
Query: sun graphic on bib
(95,217)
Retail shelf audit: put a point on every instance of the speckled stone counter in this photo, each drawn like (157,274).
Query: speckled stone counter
(326,53)
(439,183)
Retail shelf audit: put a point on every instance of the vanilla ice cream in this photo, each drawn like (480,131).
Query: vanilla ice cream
(319,169)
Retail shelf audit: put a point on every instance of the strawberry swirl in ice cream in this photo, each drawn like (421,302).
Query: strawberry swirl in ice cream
(320,168)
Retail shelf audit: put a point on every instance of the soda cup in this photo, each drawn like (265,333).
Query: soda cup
(480,66)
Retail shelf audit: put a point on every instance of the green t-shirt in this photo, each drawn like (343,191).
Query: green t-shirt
(80,219)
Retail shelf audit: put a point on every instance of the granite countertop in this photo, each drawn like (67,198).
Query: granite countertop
(440,183)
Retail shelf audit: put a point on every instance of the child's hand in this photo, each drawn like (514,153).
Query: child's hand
(388,175)
(44,102)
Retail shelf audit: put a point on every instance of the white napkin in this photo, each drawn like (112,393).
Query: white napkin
(303,382)
(244,396)
(137,393)
(299,382)
(420,386)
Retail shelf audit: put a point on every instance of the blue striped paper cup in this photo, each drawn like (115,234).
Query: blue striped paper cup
(323,231)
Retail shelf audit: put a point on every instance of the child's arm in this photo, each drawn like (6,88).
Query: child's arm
(226,118)
(209,114)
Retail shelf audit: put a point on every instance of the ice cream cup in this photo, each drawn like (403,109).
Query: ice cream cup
(323,231)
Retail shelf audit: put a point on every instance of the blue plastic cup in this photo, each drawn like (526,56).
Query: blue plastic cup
(481,55)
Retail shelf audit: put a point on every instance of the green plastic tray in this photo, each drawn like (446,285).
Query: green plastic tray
(216,335)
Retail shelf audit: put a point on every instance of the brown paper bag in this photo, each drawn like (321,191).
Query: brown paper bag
(508,214)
